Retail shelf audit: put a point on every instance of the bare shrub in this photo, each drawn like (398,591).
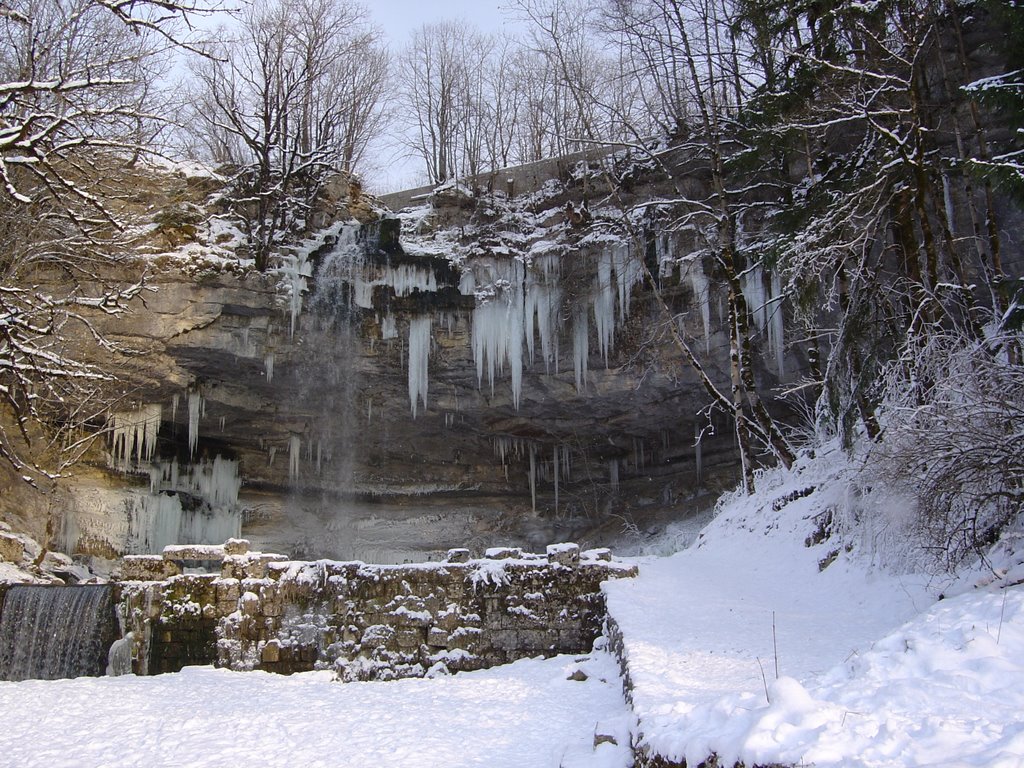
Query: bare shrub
(953,441)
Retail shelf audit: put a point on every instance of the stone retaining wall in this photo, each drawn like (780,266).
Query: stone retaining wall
(513,180)
(364,621)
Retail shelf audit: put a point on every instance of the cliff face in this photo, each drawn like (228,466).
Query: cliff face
(481,387)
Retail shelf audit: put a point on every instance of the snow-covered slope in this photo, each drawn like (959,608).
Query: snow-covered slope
(741,647)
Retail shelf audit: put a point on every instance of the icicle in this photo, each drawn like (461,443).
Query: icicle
(613,475)
(119,656)
(554,469)
(217,482)
(319,455)
(701,287)
(271,454)
(544,301)
(295,269)
(222,420)
(406,279)
(504,318)
(174,406)
(134,435)
(159,519)
(580,348)
(604,306)
(530,299)
(268,366)
(664,256)
(533,478)
(628,273)
(294,456)
(195,407)
(776,335)
(419,356)
(515,349)
(490,339)
(389,328)
(752,284)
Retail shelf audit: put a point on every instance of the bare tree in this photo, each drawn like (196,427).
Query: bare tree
(578,77)
(503,104)
(691,70)
(294,96)
(954,427)
(442,92)
(76,104)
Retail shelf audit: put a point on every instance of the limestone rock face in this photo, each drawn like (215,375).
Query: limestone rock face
(367,402)
(12,549)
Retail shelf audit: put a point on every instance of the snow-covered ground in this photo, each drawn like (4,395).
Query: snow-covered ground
(526,714)
(741,647)
(766,641)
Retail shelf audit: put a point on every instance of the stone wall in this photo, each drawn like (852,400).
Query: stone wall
(364,621)
(514,180)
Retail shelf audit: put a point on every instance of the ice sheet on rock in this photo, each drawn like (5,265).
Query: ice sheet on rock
(158,519)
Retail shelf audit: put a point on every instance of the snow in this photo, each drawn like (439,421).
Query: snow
(741,646)
(527,713)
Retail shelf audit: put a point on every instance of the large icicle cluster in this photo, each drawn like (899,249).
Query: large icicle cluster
(763,296)
(158,518)
(517,305)
(217,481)
(134,435)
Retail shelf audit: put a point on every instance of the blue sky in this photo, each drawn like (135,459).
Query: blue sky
(399,17)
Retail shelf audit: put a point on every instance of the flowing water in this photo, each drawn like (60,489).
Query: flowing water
(53,632)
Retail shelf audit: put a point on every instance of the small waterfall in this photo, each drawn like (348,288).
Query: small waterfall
(48,632)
